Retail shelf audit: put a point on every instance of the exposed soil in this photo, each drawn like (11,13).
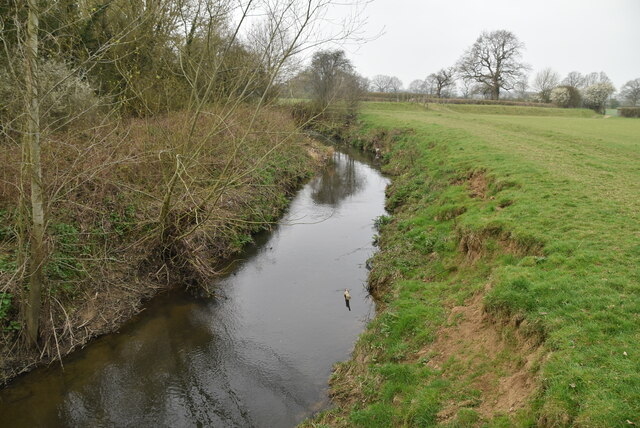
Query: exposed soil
(478,185)
(501,368)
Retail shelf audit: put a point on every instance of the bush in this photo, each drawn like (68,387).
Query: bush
(566,97)
(596,95)
(66,97)
(629,111)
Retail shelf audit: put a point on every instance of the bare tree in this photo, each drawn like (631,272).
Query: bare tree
(595,77)
(383,83)
(574,79)
(544,82)
(417,86)
(521,87)
(630,92)
(380,83)
(466,87)
(395,84)
(494,61)
(442,82)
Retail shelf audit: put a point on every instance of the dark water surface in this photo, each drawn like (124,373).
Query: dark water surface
(259,354)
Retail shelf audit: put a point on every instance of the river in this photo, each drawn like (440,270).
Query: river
(259,354)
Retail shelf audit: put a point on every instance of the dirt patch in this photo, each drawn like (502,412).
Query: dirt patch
(475,245)
(501,368)
(478,185)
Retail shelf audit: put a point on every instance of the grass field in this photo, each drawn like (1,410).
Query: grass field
(509,272)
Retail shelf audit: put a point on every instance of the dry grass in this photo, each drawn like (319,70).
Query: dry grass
(105,188)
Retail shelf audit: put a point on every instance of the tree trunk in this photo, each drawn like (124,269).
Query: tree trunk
(495,91)
(32,141)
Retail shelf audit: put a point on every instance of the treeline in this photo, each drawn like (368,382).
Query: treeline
(145,57)
(492,68)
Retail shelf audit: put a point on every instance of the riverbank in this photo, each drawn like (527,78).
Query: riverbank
(259,354)
(507,274)
(108,187)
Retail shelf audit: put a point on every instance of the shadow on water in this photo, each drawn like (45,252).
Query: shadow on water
(259,354)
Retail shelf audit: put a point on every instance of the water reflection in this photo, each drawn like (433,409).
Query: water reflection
(336,184)
(260,355)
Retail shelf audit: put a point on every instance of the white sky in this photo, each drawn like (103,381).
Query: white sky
(421,36)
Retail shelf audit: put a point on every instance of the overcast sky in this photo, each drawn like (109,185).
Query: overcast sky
(421,36)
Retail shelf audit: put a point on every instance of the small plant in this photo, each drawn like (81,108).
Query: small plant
(381,221)
(5,305)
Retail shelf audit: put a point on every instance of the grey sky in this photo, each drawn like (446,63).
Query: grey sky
(422,36)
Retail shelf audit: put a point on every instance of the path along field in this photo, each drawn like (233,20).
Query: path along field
(509,271)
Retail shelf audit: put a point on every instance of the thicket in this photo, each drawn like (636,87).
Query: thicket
(629,111)
(139,143)
(566,97)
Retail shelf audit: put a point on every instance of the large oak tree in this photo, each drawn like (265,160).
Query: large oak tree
(494,61)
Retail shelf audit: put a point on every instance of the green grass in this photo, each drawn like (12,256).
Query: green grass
(515,110)
(558,240)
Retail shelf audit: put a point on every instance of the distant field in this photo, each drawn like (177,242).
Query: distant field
(517,111)
(529,216)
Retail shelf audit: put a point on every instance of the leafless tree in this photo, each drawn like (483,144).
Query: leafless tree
(383,83)
(417,87)
(494,60)
(442,82)
(380,83)
(395,84)
(544,82)
(574,79)
(630,92)
(595,77)
(521,87)
(466,87)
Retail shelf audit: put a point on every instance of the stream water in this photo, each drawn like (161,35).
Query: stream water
(259,354)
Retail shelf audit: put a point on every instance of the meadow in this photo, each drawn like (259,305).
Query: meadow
(508,271)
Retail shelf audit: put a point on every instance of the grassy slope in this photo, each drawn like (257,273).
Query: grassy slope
(512,110)
(552,244)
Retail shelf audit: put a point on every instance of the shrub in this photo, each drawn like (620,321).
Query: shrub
(596,95)
(629,111)
(566,97)
(66,97)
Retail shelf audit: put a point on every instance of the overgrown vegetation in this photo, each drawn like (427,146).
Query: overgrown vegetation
(106,258)
(140,144)
(507,276)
